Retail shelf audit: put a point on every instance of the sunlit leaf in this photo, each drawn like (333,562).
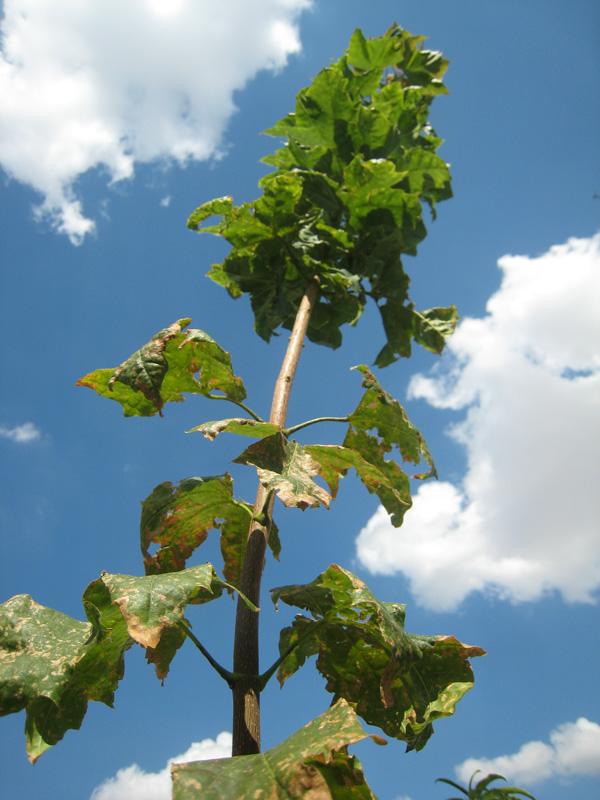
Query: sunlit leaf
(179,519)
(312,763)
(245,427)
(345,200)
(166,367)
(287,468)
(151,604)
(378,411)
(51,665)
(385,479)
(398,681)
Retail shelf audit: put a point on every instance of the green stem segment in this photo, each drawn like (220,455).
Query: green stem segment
(294,428)
(246,691)
(237,403)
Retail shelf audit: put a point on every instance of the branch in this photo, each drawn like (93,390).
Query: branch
(268,674)
(235,402)
(294,428)
(227,676)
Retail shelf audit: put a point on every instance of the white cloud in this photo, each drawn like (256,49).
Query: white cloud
(21,433)
(111,84)
(525,519)
(132,783)
(574,751)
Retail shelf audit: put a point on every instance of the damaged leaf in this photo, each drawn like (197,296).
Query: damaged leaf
(287,468)
(400,682)
(312,763)
(160,371)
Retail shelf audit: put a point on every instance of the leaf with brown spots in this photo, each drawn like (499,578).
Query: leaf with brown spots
(398,681)
(164,368)
(287,468)
(245,427)
(178,518)
(51,665)
(312,763)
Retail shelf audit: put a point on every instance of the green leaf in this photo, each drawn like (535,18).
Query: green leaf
(245,427)
(179,519)
(52,665)
(154,603)
(481,791)
(287,468)
(164,368)
(378,410)
(385,479)
(345,200)
(432,327)
(312,763)
(398,681)
(219,207)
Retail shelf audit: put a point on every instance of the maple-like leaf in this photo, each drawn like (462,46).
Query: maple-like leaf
(287,468)
(164,369)
(399,681)
(312,763)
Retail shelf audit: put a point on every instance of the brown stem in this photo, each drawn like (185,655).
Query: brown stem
(246,691)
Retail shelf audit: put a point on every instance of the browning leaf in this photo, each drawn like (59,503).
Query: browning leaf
(179,519)
(166,367)
(312,763)
(287,468)
(398,681)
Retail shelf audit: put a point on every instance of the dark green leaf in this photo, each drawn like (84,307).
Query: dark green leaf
(287,468)
(432,327)
(345,201)
(398,681)
(312,763)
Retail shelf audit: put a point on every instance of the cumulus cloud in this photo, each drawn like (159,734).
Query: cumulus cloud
(21,433)
(110,84)
(574,751)
(524,520)
(132,783)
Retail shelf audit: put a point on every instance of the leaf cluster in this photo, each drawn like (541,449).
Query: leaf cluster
(52,665)
(344,201)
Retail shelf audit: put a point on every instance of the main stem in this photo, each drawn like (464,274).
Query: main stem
(246,690)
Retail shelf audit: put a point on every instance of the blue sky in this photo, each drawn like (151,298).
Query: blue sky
(117,119)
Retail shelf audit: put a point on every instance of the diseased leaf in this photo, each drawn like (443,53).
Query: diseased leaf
(51,665)
(154,603)
(245,427)
(312,763)
(398,681)
(165,368)
(385,479)
(287,468)
(179,519)
(378,410)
